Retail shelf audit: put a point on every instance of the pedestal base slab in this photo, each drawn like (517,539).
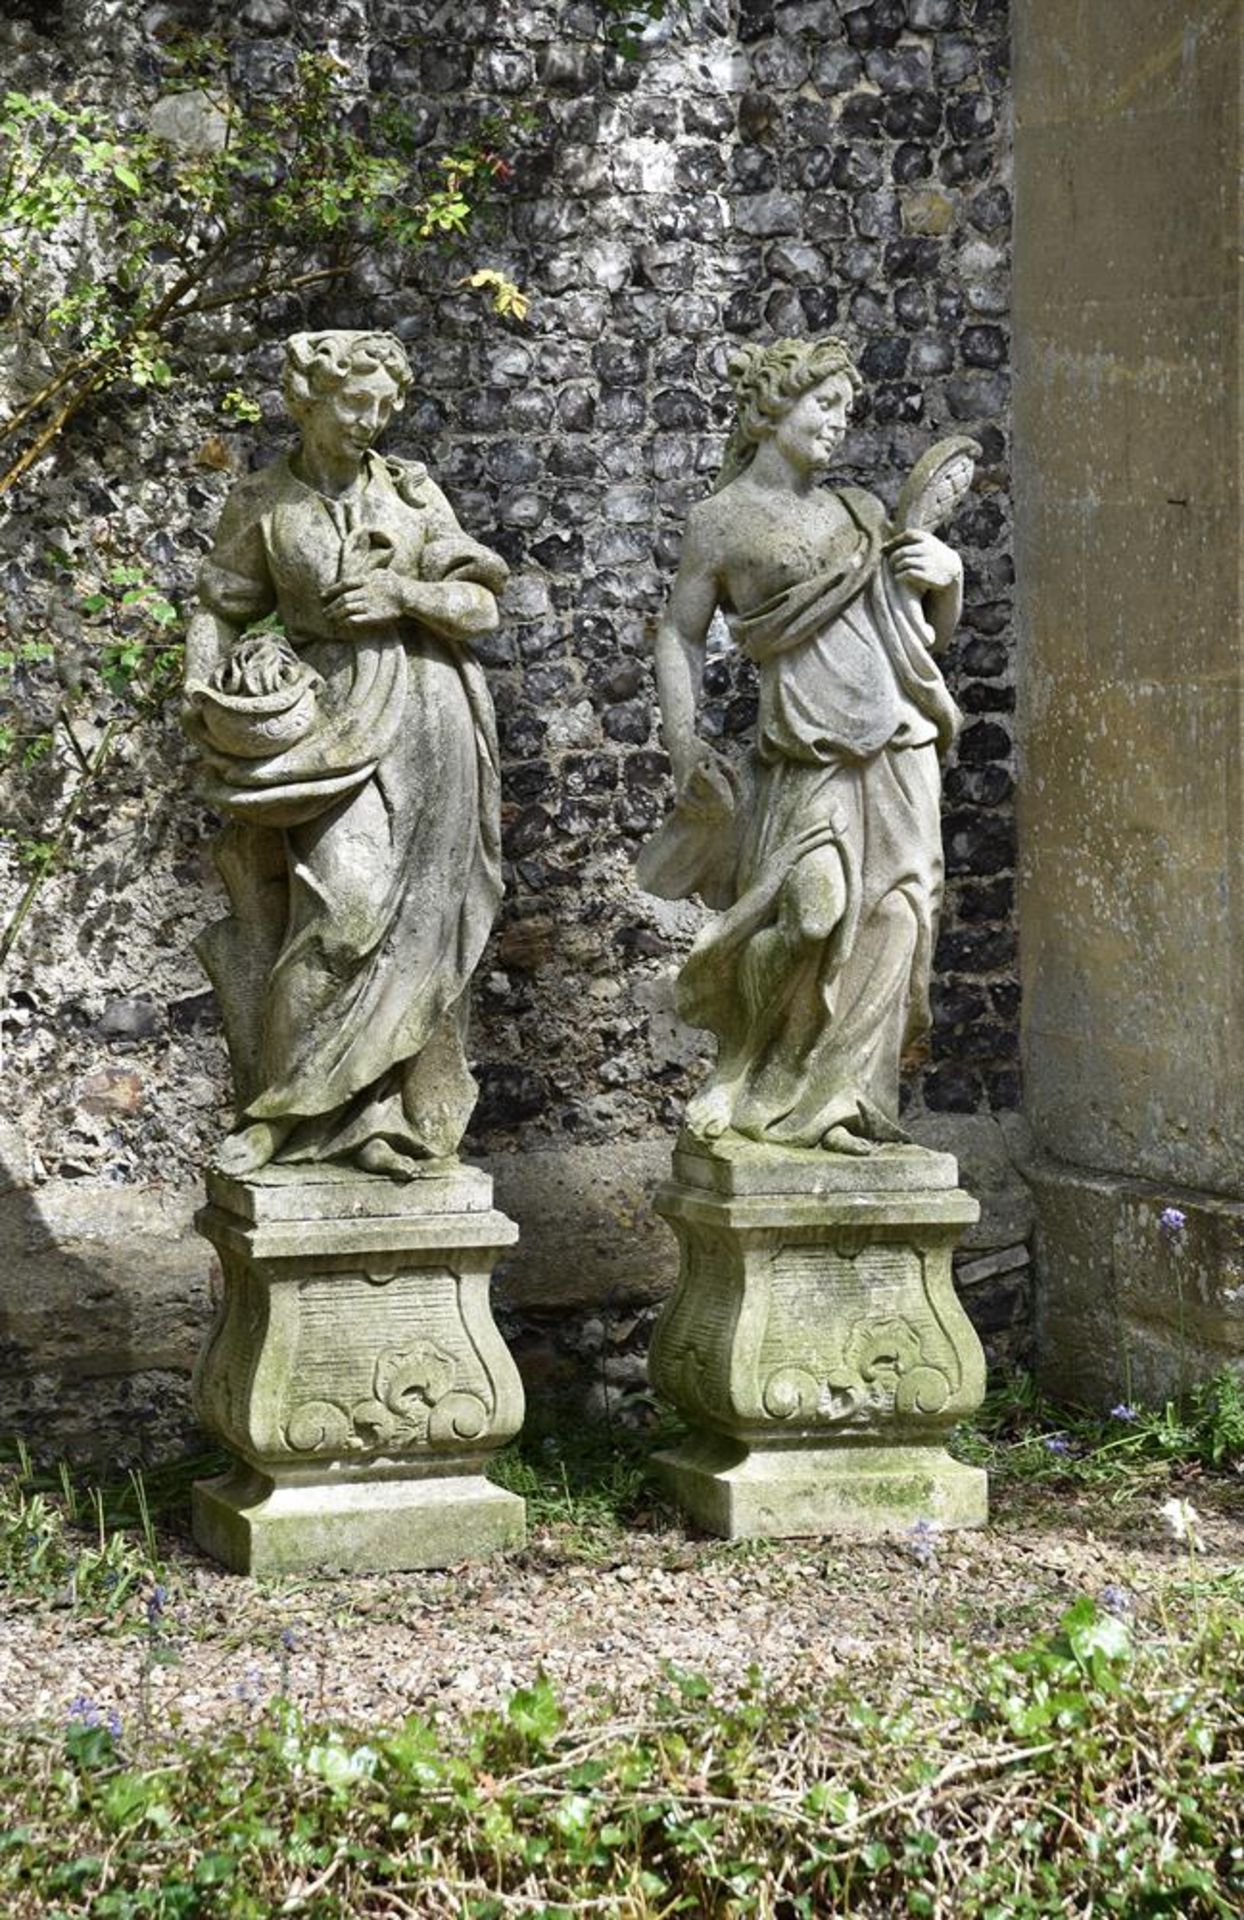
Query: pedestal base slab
(252,1525)
(863,1492)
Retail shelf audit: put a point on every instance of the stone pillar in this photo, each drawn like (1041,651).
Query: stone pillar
(356,1372)
(815,1341)
(1128,457)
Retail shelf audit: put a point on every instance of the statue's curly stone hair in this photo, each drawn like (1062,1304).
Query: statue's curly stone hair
(769,381)
(316,363)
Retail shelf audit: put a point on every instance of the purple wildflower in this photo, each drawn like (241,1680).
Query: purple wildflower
(250,1687)
(1116,1599)
(922,1537)
(155,1606)
(1124,1412)
(1172,1220)
(86,1713)
(1056,1443)
(289,1640)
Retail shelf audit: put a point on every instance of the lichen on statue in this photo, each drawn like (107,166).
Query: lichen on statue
(351,747)
(824,852)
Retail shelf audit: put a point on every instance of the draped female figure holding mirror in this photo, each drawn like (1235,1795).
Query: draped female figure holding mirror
(826,854)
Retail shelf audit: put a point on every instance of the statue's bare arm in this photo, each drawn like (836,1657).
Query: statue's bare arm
(454,609)
(679,649)
(933,570)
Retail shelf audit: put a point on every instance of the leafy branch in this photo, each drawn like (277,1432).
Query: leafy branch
(277,199)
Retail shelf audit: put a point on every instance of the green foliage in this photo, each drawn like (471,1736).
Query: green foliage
(1075,1772)
(1094,1764)
(238,406)
(1062,1681)
(1020,1436)
(68,703)
(625,21)
(112,239)
(48,1559)
(593,1481)
(507,299)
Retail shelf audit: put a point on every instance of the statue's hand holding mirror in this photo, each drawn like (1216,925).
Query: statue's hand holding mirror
(922,561)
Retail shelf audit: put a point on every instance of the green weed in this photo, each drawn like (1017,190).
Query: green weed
(45,1560)
(1020,1436)
(1083,1770)
(591,1481)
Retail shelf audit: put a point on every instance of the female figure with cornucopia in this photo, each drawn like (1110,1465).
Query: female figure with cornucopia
(347,737)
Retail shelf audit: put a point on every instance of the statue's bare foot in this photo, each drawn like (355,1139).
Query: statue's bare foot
(377,1156)
(708,1115)
(251,1147)
(839,1140)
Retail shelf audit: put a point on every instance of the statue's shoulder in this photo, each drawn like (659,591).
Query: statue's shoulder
(413,481)
(710,520)
(252,496)
(864,507)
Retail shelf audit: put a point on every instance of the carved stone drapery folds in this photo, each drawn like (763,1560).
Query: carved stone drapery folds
(814,1340)
(345,732)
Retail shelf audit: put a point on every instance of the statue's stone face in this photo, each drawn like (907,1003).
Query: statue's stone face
(351,418)
(810,431)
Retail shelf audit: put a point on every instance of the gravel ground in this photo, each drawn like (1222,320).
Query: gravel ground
(600,1614)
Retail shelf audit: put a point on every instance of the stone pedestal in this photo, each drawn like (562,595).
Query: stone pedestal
(355,1371)
(815,1341)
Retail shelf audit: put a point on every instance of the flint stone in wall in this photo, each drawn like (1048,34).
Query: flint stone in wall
(191,122)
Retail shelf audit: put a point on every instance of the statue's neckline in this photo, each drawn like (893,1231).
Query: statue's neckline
(353,493)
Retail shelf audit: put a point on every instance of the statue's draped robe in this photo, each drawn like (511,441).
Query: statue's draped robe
(363,862)
(853,716)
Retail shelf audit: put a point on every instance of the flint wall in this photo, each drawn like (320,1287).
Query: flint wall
(760,169)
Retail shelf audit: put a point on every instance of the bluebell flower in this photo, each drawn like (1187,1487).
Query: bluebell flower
(1172,1220)
(288,1640)
(922,1538)
(1056,1443)
(155,1605)
(1124,1412)
(86,1713)
(1116,1599)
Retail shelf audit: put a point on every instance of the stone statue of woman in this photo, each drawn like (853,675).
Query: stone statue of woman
(827,856)
(349,743)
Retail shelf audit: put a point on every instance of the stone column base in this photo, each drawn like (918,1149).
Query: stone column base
(752,1493)
(355,1372)
(1140,1287)
(815,1341)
